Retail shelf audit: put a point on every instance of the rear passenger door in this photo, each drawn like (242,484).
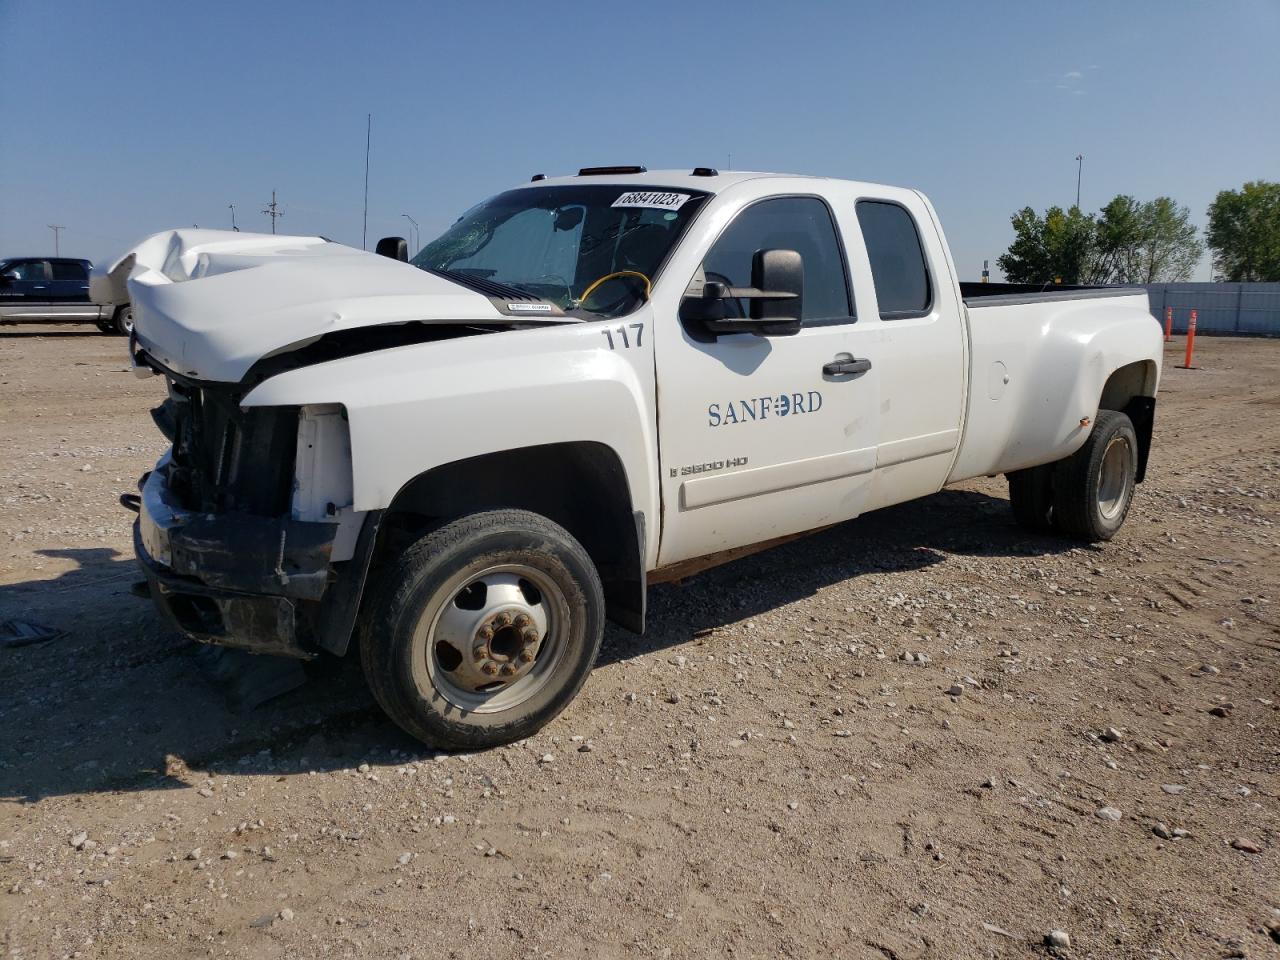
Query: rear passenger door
(70,291)
(70,280)
(922,352)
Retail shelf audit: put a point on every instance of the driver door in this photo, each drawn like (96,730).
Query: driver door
(756,439)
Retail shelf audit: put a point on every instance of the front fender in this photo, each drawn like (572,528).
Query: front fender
(414,408)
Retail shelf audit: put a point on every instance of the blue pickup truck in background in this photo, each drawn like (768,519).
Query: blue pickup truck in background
(55,290)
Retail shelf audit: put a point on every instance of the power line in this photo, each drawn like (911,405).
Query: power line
(55,228)
(273,211)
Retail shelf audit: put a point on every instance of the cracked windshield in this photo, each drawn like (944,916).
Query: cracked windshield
(589,249)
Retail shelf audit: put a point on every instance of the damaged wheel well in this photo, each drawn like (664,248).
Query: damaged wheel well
(581,486)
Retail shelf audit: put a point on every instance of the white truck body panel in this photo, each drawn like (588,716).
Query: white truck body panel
(213,302)
(954,393)
(872,440)
(404,422)
(1038,374)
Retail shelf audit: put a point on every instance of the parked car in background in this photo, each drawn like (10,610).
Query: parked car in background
(56,290)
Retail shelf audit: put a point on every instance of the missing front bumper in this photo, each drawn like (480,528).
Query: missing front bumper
(233,579)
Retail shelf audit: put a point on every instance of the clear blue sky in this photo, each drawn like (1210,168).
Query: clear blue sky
(122,119)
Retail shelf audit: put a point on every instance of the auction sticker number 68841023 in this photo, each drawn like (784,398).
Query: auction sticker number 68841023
(622,337)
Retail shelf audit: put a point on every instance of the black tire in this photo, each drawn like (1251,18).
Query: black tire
(122,320)
(1089,502)
(403,657)
(1031,496)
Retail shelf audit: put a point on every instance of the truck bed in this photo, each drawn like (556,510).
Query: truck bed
(1038,361)
(1008,294)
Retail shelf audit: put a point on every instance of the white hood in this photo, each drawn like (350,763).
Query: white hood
(210,303)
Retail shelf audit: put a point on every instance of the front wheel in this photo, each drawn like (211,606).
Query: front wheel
(483,630)
(1093,488)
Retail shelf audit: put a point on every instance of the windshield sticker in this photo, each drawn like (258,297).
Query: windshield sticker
(529,307)
(655,200)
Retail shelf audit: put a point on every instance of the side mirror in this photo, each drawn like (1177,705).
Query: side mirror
(775,296)
(397,248)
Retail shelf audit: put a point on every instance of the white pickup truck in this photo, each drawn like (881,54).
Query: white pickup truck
(468,461)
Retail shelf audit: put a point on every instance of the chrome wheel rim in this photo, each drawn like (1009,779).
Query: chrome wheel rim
(1113,477)
(126,320)
(495,640)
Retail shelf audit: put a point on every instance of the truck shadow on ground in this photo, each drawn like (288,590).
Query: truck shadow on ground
(119,702)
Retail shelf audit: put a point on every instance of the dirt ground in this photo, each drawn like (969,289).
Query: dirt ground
(766,774)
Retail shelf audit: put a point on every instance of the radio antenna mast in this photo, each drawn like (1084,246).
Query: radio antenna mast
(368,138)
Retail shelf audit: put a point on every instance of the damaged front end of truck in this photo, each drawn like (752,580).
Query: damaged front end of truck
(236,549)
(246,527)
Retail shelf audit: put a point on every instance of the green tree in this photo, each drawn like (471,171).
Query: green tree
(1151,242)
(1048,249)
(1129,241)
(1244,232)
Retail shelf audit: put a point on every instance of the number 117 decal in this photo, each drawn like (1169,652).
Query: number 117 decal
(621,332)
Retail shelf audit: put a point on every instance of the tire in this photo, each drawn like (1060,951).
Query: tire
(483,630)
(108,327)
(1093,488)
(1031,496)
(122,320)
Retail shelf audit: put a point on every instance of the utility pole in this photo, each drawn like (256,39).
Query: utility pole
(232,208)
(413,240)
(55,229)
(368,138)
(273,211)
(1079,173)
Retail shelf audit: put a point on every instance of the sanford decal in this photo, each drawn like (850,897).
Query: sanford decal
(762,408)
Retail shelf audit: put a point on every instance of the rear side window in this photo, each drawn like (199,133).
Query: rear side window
(897,260)
(802,224)
(67,270)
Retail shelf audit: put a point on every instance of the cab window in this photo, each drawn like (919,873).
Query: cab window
(69,270)
(26,270)
(802,224)
(897,260)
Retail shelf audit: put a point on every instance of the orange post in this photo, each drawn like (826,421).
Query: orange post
(1168,324)
(1191,340)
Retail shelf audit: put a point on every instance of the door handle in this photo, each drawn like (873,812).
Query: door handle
(846,367)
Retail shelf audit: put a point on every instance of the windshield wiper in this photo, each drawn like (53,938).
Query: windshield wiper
(490,288)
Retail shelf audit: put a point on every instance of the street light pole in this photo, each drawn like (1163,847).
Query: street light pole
(56,251)
(1079,173)
(413,239)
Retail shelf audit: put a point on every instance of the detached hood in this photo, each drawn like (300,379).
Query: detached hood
(210,303)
